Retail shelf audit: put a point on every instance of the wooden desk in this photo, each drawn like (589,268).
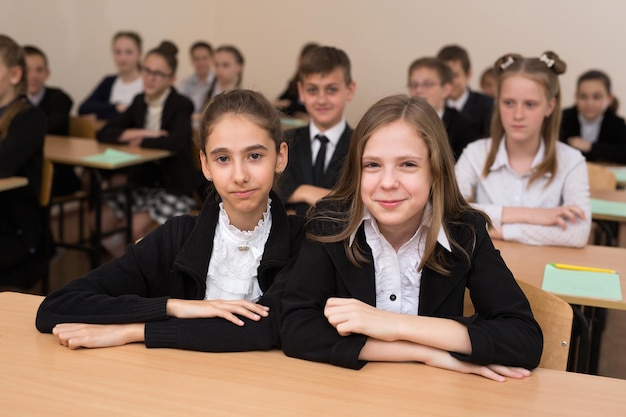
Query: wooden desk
(40,377)
(10,183)
(72,151)
(528,262)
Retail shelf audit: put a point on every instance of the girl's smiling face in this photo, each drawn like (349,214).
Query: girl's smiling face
(241,160)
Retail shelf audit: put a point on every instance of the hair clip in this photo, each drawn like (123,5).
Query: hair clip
(549,62)
(509,61)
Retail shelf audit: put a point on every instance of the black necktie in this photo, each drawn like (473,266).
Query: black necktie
(320,161)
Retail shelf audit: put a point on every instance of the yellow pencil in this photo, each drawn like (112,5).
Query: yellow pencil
(583,268)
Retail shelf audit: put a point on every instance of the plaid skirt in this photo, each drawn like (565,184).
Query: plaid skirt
(160,204)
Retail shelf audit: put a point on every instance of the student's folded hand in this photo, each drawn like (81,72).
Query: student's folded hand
(77,335)
(558,216)
(226,309)
(349,315)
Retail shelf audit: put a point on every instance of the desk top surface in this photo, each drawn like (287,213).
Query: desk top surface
(72,151)
(40,377)
(10,183)
(527,263)
(618,196)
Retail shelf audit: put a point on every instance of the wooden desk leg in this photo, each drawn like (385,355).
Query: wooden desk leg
(621,235)
(96,234)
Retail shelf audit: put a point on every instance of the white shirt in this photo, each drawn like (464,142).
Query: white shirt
(397,277)
(154,112)
(460,102)
(236,256)
(37,97)
(124,93)
(196,89)
(590,130)
(503,187)
(333,135)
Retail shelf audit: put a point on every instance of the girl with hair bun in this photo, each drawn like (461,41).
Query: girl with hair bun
(534,188)
(158,118)
(115,92)
(592,125)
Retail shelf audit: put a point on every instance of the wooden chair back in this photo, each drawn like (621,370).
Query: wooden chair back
(47,174)
(83,127)
(600,178)
(555,318)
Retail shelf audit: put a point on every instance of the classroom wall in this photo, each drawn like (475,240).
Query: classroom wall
(381,37)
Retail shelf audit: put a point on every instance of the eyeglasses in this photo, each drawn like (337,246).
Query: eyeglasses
(155,74)
(426,85)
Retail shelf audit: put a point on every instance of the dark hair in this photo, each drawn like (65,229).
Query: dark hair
(597,75)
(448,205)
(12,55)
(168,51)
(324,60)
(443,71)
(488,72)
(133,36)
(544,71)
(455,53)
(292,88)
(30,50)
(241,102)
(201,45)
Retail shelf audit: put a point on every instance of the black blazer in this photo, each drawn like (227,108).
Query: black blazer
(300,168)
(57,106)
(503,330)
(460,129)
(177,173)
(611,143)
(479,109)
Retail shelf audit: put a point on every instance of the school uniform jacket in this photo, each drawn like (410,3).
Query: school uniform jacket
(177,173)
(300,166)
(503,331)
(479,109)
(172,262)
(98,102)
(460,129)
(611,143)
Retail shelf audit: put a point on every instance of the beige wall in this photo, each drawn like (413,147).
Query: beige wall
(381,37)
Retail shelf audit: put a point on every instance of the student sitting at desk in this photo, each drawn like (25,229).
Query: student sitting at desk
(229,63)
(208,283)
(158,118)
(197,85)
(534,188)
(289,100)
(317,151)
(115,92)
(22,132)
(57,106)
(390,253)
(592,125)
(431,79)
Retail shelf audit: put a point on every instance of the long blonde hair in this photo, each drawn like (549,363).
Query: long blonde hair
(12,55)
(544,71)
(345,208)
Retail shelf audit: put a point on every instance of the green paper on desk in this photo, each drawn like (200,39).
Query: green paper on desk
(581,283)
(609,208)
(620,173)
(112,156)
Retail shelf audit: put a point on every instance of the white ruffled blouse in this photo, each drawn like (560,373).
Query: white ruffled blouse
(236,256)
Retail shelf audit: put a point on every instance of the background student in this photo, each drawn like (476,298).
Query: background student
(197,85)
(317,151)
(592,125)
(57,105)
(207,283)
(534,188)
(476,106)
(289,101)
(115,92)
(431,79)
(229,63)
(489,82)
(158,118)
(391,251)
(22,131)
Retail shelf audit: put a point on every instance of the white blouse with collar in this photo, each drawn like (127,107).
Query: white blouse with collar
(236,256)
